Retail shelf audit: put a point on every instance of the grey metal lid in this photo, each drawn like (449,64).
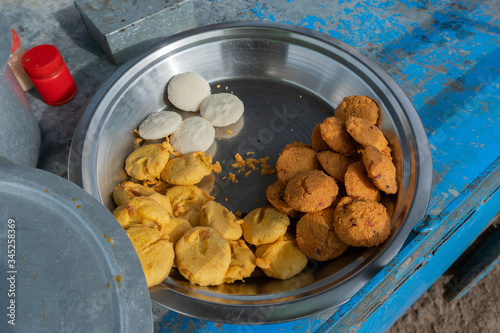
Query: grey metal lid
(5,43)
(70,267)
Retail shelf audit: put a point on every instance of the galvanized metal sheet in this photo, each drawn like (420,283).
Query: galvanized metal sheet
(67,265)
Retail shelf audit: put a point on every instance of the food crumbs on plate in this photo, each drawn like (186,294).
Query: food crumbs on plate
(118,279)
(248,173)
(78,206)
(251,163)
(46,190)
(109,239)
(250,153)
(218,86)
(74,199)
(239,159)
(216,167)
(107,284)
(226,199)
(137,142)
(232,177)
(229,132)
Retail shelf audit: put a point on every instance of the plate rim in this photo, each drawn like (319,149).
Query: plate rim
(134,303)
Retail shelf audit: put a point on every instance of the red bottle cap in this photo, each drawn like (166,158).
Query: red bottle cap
(49,74)
(16,41)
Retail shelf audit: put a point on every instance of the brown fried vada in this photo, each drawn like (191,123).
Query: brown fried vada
(360,222)
(357,106)
(336,137)
(295,160)
(358,184)
(275,194)
(316,236)
(365,133)
(380,169)
(311,191)
(334,164)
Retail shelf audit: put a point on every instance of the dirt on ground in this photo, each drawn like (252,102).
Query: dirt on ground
(477,311)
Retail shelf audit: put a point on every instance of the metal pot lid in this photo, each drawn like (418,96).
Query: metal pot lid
(70,267)
(5,43)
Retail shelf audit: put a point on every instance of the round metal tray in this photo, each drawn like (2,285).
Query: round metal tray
(289,79)
(71,266)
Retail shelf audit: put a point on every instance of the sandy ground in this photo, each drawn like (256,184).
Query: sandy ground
(477,311)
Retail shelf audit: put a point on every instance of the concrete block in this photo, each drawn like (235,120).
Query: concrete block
(123,28)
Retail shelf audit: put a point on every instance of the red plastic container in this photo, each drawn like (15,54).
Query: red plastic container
(49,74)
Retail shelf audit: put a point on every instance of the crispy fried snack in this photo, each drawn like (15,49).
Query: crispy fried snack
(275,194)
(365,133)
(294,160)
(318,143)
(142,211)
(155,253)
(203,256)
(316,237)
(357,106)
(358,184)
(186,201)
(311,191)
(281,259)
(335,135)
(188,169)
(242,261)
(360,222)
(128,190)
(334,164)
(147,162)
(296,145)
(214,215)
(174,230)
(380,169)
(264,225)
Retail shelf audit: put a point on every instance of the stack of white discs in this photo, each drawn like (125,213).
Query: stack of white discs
(191,92)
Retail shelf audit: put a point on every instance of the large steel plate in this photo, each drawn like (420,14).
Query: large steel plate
(67,265)
(289,79)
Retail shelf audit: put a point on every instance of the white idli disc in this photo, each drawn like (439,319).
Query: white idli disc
(159,124)
(193,134)
(222,109)
(186,91)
